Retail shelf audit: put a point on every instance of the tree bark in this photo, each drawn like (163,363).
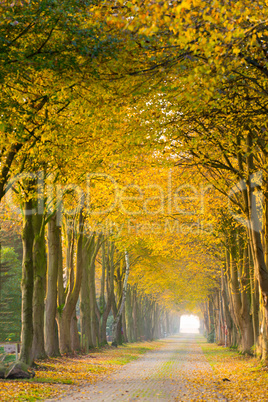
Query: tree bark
(54,254)
(135,318)
(86,339)
(124,325)
(109,264)
(40,268)
(129,315)
(27,285)
(228,321)
(75,341)
(120,310)
(65,315)
(93,318)
(240,293)
(94,312)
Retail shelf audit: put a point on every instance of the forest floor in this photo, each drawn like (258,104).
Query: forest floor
(180,368)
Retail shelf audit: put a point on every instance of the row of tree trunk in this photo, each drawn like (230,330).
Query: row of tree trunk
(62,311)
(145,319)
(234,314)
(242,296)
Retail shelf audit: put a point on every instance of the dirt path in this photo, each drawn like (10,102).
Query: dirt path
(177,372)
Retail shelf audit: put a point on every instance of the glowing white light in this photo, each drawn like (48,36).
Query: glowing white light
(189,324)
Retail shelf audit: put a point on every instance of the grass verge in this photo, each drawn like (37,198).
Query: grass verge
(55,376)
(248,378)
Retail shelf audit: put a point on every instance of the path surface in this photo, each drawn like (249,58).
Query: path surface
(177,372)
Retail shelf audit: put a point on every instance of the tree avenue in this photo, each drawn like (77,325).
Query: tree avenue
(133,139)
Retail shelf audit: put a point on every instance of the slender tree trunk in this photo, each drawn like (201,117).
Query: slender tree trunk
(65,315)
(70,254)
(156,322)
(211,321)
(149,319)
(254,299)
(135,318)
(129,315)
(179,323)
(40,267)
(109,290)
(124,325)
(93,318)
(86,338)
(120,310)
(245,314)
(228,322)
(217,314)
(51,339)
(102,302)
(206,318)
(27,285)
(167,323)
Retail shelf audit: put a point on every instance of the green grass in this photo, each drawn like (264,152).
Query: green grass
(9,358)
(49,380)
(96,369)
(35,395)
(121,361)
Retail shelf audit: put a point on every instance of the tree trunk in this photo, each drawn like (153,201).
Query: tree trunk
(228,321)
(254,299)
(245,313)
(129,315)
(124,325)
(109,264)
(179,324)
(135,318)
(64,316)
(238,274)
(51,339)
(86,339)
(40,267)
(120,310)
(64,329)
(102,302)
(167,323)
(75,341)
(155,334)
(259,251)
(92,292)
(27,285)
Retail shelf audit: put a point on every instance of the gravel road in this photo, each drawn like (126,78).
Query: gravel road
(177,372)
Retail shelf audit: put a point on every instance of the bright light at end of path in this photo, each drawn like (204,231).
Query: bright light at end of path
(189,324)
